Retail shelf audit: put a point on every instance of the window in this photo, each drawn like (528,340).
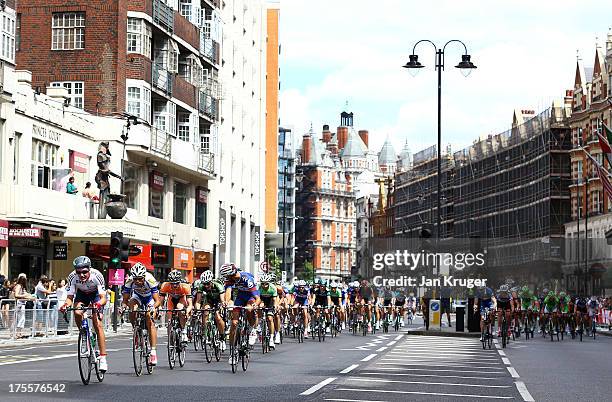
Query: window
(8,38)
(186,9)
(139,102)
(205,139)
(18,32)
(131,173)
(190,68)
(139,37)
(44,159)
(156,195)
(75,91)
(164,116)
(16,150)
(68,31)
(183,127)
(201,208)
(180,202)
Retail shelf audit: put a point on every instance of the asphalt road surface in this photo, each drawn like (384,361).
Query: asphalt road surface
(381,367)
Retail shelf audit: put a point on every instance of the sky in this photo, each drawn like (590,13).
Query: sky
(339,51)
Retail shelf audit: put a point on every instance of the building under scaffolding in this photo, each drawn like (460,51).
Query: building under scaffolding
(509,191)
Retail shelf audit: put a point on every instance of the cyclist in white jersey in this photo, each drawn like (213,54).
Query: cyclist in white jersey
(86,287)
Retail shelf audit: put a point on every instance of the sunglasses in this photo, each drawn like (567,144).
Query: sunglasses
(83,272)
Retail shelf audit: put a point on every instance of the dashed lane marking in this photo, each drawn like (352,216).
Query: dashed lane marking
(522,389)
(427,383)
(349,368)
(425,393)
(318,386)
(506,361)
(369,357)
(381,349)
(431,375)
(513,372)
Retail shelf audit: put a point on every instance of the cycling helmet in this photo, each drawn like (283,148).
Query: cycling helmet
(525,289)
(551,293)
(356,284)
(138,270)
(334,285)
(504,288)
(81,262)
(206,277)
(175,276)
(562,295)
(264,278)
(301,282)
(228,270)
(272,277)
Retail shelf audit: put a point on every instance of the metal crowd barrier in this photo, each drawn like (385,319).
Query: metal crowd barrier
(44,320)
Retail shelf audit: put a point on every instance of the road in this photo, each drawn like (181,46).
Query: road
(381,367)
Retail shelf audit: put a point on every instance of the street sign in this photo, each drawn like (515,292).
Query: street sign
(434,314)
(264,266)
(60,250)
(116,276)
(284,276)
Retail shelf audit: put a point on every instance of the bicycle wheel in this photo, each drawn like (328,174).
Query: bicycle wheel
(234,355)
(483,338)
(489,339)
(216,342)
(181,349)
(364,328)
(245,349)
(504,333)
(594,327)
(171,348)
(265,343)
(147,352)
(207,345)
(137,346)
(84,352)
(196,335)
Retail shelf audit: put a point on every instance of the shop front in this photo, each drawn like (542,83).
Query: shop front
(183,261)
(27,248)
(162,258)
(202,262)
(4,231)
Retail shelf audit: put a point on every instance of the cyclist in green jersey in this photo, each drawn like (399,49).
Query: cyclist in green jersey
(337,298)
(269,300)
(551,306)
(209,294)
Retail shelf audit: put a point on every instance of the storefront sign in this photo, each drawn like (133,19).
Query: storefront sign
(35,233)
(222,229)
(202,195)
(60,250)
(202,259)
(183,259)
(78,162)
(157,181)
(144,256)
(257,243)
(46,134)
(4,233)
(160,255)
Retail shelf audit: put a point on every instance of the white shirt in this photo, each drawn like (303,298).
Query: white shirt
(149,286)
(95,283)
(62,294)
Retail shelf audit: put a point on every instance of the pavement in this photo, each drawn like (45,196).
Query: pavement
(381,367)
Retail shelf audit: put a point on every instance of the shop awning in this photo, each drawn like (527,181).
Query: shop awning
(96,229)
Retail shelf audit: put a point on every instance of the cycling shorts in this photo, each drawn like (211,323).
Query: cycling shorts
(550,310)
(400,303)
(174,301)
(268,302)
(485,304)
(86,298)
(503,304)
(143,301)
(386,302)
(244,298)
(335,301)
(301,302)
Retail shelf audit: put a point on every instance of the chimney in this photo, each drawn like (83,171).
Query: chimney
(326,134)
(364,135)
(306,146)
(569,98)
(342,135)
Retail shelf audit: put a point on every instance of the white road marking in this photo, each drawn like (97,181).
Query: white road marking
(349,368)
(381,349)
(444,360)
(427,383)
(317,387)
(501,353)
(432,375)
(37,359)
(353,400)
(513,372)
(447,356)
(520,385)
(432,370)
(506,361)
(369,357)
(424,393)
(439,365)
(391,343)
(397,338)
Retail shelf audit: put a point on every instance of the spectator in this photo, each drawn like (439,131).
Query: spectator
(71,188)
(42,290)
(89,193)
(22,296)
(62,295)
(5,303)
(52,319)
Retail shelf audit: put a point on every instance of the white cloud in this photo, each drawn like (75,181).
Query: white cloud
(352,50)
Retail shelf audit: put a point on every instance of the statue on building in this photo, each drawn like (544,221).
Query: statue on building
(102,177)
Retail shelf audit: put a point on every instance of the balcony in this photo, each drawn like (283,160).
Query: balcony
(184,91)
(208,47)
(161,142)
(162,79)
(206,163)
(163,15)
(208,105)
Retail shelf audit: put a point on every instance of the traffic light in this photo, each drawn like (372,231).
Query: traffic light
(119,249)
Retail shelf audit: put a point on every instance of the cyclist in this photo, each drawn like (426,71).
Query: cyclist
(179,297)
(487,301)
(593,308)
(527,300)
(338,298)
(581,311)
(551,306)
(141,291)
(247,296)
(402,303)
(283,299)
(86,287)
(269,300)
(352,292)
(504,305)
(322,300)
(386,296)
(210,294)
(300,295)
(366,294)
(564,309)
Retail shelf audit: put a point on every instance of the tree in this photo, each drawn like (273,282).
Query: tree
(275,263)
(307,272)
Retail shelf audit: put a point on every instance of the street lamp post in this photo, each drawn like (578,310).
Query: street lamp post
(284,217)
(466,66)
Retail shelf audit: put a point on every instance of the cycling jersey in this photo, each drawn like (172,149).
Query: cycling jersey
(268,295)
(551,303)
(321,297)
(149,286)
(387,295)
(93,285)
(175,292)
(564,304)
(352,293)
(246,288)
(212,295)
(526,298)
(301,296)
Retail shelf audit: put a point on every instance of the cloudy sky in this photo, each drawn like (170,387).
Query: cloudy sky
(334,51)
